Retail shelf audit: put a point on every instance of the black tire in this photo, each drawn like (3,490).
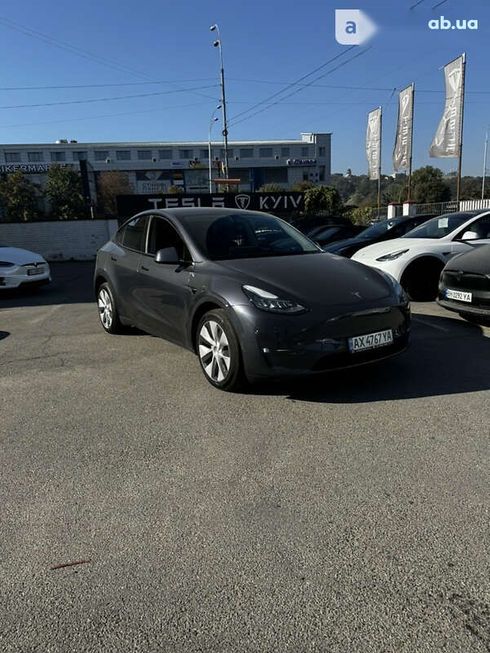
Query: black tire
(105,295)
(421,280)
(225,376)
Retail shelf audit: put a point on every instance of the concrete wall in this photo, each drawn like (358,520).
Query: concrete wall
(76,240)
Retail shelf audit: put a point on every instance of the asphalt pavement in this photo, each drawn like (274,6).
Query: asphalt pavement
(345,513)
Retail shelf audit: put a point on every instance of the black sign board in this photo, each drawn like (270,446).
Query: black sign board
(129,205)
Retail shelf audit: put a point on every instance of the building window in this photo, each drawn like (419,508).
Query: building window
(186,154)
(305,151)
(322,151)
(265,152)
(35,157)
(305,176)
(79,156)
(285,151)
(204,154)
(101,155)
(144,155)
(58,157)
(246,153)
(123,155)
(12,157)
(165,154)
(230,154)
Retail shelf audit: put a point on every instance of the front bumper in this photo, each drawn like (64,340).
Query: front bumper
(17,277)
(276,346)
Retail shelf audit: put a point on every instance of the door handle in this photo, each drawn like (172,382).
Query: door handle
(145,269)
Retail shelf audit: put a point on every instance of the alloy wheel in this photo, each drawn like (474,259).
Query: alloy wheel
(214,351)
(105,308)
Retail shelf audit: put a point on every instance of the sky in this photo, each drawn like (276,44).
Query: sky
(162,52)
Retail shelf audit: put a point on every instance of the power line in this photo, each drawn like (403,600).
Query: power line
(68,47)
(106,115)
(104,99)
(107,85)
(291,84)
(298,90)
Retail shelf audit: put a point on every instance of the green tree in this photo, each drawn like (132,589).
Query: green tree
(323,200)
(428,185)
(302,186)
(18,197)
(110,184)
(64,191)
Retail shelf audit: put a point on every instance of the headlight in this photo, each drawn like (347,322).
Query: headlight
(266,301)
(6,264)
(393,255)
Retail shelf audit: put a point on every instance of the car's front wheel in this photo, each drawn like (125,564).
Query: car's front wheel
(108,314)
(219,351)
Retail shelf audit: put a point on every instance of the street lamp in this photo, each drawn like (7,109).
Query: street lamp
(217,44)
(213,119)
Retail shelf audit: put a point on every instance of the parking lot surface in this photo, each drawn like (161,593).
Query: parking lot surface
(349,512)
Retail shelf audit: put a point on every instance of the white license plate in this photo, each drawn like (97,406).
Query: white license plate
(32,271)
(371,340)
(459,295)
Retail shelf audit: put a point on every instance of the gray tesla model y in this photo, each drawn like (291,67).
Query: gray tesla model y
(248,293)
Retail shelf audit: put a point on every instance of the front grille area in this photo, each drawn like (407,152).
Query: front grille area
(346,359)
(466,281)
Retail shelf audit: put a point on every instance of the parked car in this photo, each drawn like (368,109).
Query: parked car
(22,268)
(416,260)
(327,235)
(311,224)
(464,286)
(249,294)
(377,233)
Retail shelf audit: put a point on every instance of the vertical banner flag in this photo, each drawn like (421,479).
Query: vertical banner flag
(447,139)
(373,143)
(403,143)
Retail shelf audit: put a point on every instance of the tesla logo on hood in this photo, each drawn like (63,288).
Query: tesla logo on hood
(242,201)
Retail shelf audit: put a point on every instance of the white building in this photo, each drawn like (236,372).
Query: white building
(154,167)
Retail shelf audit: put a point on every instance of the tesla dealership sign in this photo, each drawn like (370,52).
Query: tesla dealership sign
(29,168)
(128,205)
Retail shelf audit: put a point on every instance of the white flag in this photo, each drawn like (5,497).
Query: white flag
(447,139)
(373,143)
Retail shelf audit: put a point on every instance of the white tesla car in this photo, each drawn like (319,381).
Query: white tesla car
(417,258)
(20,267)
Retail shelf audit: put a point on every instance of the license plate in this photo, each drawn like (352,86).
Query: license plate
(371,340)
(459,295)
(33,271)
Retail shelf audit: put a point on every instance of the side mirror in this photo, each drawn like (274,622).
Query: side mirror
(469,235)
(167,255)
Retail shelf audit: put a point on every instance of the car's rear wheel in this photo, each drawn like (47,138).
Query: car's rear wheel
(219,351)
(421,279)
(108,314)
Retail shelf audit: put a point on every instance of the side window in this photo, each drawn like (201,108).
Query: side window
(133,233)
(479,227)
(162,234)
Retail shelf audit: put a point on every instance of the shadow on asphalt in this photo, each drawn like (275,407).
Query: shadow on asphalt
(4,334)
(447,356)
(71,284)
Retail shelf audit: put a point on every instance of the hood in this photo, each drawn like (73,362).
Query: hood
(314,279)
(376,250)
(476,261)
(339,245)
(19,256)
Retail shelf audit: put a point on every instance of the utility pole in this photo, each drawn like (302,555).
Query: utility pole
(485,151)
(218,44)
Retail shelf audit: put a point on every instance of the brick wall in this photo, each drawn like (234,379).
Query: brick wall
(76,240)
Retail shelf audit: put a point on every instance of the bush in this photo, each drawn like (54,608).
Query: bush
(363,215)
(323,200)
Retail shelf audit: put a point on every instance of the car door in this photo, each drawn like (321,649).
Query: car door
(124,262)
(164,290)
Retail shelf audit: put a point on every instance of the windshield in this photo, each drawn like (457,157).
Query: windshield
(440,226)
(378,229)
(245,235)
